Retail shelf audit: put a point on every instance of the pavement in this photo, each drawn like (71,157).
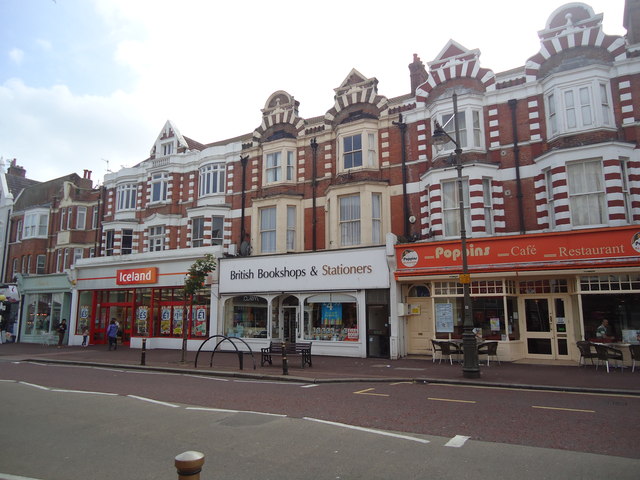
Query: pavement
(540,376)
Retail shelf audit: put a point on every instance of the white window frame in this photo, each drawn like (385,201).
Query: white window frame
(574,105)
(63,218)
(19,227)
(487,195)
(94,218)
(156,238)
(59,261)
(367,130)
(279,160)
(268,217)
(212,179)
(197,232)
(376,218)
(69,217)
(217,230)
(81,218)
(291,228)
(36,224)
(551,207)
(127,234)
(14,268)
(470,124)
(588,205)
(158,187)
(109,238)
(78,253)
(350,218)
(626,192)
(65,262)
(451,207)
(41,264)
(167,148)
(126,194)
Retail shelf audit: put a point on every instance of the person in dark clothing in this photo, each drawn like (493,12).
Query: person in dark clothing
(62,329)
(112,334)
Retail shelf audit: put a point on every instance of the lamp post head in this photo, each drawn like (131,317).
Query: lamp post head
(439,136)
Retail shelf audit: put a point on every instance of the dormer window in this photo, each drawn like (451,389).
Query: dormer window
(280,163)
(358,146)
(167,148)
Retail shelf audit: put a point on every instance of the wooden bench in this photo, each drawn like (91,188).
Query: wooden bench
(301,349)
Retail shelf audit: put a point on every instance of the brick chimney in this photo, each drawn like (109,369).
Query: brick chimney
(16,170)
(418,73)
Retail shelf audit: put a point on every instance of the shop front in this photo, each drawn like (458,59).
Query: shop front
(537,294)
(144,297)
(338,300)
(46,302)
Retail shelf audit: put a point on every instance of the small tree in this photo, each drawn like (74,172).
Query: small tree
(194,282)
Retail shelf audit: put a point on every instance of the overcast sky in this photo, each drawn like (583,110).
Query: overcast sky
(89,84)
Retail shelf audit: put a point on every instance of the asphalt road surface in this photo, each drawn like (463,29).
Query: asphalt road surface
(69,422)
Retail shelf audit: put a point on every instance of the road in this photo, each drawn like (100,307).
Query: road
(71,420)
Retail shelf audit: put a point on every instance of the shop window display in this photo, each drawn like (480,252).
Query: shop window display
(246,316)
(331,321)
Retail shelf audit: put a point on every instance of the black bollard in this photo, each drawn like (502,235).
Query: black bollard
(285,364)
(143,353)
(189,465)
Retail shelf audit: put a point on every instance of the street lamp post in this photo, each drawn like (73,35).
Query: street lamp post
(470,367)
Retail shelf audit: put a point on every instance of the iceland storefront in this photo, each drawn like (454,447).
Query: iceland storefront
(338,300)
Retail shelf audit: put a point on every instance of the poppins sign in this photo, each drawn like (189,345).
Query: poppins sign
(337,270)
(576,249)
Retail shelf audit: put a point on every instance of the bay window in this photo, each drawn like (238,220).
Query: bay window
(159,187)
(212,179)
(126,196)
(451,207)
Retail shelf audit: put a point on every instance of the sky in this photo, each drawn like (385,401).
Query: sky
(89,84)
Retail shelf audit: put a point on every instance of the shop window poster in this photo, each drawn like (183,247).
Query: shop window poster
(200,320)
(178,314)
(444,317)
(331,314)
(165,321)
(495,324)
(142,320)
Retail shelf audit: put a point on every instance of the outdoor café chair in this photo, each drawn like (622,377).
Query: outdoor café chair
(586,351)
(606,353)
(635,355)
(449,349)
(437,350)
(490,349)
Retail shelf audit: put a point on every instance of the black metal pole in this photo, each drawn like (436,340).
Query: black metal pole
(471,367)
(143,353)
(314,186)
(405,199)
(285,364)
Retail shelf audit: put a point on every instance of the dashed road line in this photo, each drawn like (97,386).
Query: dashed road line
(366,392)
(311,385)
(225,410)
(34,385)
(83,391)
(451,400)
(206,377)
(563,409)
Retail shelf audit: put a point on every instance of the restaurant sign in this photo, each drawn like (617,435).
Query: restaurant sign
(135,276)
(575,249)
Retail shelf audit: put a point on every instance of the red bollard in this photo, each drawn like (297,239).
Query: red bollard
(189,465)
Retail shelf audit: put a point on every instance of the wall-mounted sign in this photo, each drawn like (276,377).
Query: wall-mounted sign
(576,249)
(135,276)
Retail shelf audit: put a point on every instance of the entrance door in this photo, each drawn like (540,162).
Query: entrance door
(290,323)
(122,315)
(378,331)
(546,328)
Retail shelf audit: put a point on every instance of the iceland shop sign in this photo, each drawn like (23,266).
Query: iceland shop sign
(337,270)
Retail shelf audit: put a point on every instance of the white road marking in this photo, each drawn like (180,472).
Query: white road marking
(6,476)
(224,410)
(2,380)
(34,385)
(108,369)
(310,385)
(83,391)
(457,441)
(203,377)
(141,372)
(150,400)
(369,430)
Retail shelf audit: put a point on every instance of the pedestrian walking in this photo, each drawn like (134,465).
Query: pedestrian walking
(112,334)
(62,329)
(85,336)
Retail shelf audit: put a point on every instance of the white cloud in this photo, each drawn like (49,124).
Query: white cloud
(16,55)
(44,44)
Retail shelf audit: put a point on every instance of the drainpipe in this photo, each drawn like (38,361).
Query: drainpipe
(314,186)
(243,161)
(405,199)
(516,153)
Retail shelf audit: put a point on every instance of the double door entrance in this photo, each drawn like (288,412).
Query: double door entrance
(123,316)
(547,327)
